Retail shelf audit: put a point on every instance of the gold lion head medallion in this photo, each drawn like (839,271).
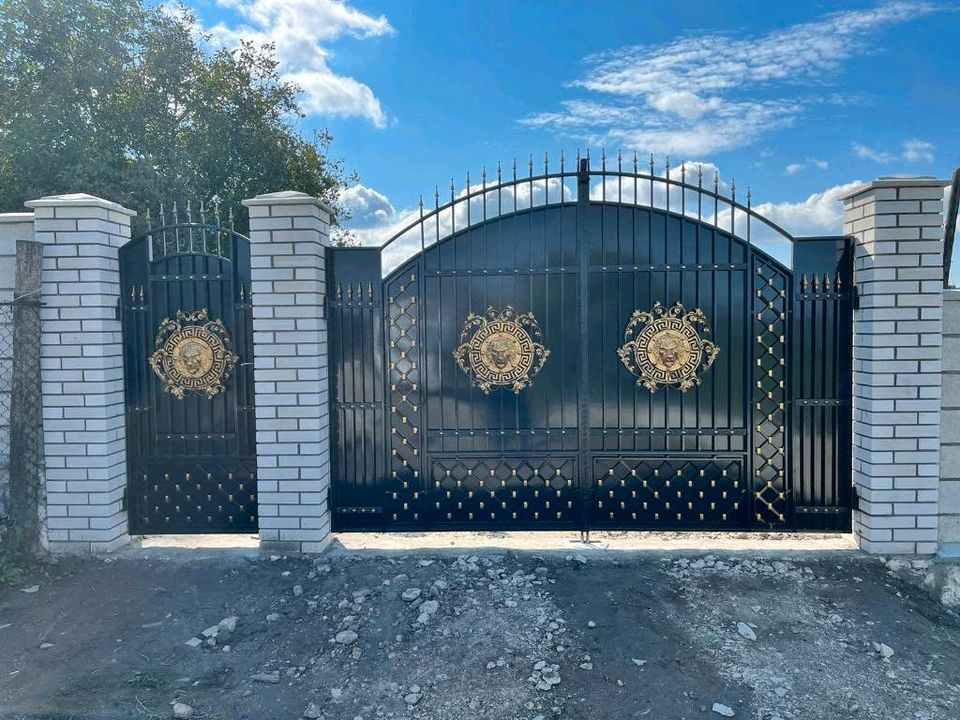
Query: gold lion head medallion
(501,349)
(193,354)
(663,347)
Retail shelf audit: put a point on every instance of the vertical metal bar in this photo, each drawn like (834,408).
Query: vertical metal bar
(583,419)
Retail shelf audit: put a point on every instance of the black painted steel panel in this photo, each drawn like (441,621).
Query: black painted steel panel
(418,446)
(192,461)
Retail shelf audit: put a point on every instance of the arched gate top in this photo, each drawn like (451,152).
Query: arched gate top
(685,191)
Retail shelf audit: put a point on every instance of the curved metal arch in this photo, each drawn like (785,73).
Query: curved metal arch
(478,204)
(189,238)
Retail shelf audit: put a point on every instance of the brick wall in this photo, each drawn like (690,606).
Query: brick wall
(898,271)
(288,235)
(82,366)
(950,428)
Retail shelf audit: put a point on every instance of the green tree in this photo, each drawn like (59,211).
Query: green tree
(126,101)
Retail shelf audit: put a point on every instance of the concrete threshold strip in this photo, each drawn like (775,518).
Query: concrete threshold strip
(519,541)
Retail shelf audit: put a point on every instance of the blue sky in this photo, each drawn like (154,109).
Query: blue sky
(797,100)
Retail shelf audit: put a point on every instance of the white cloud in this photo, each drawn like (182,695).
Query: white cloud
(820,214)
(794,168)
(918,151)
(714,92)
(868,153)
(911,151)
(301,31)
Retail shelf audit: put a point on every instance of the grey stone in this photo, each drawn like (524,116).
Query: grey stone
(346,637)
(228,623)
(271,678)
(721,709)
(312,712)
(746,631)
(182,710)
(410,594)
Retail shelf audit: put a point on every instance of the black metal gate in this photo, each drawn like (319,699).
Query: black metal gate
(591,349)
(188,353)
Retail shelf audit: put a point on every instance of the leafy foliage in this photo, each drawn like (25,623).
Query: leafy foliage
(128,102)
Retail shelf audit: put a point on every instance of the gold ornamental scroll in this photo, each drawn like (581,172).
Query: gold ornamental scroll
(665,347)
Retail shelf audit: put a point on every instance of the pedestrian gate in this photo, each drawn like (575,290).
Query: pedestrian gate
(591,349)
(188,356)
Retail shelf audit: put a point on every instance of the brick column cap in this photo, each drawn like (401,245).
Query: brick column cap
(900,181)
(79,200)
(287,197)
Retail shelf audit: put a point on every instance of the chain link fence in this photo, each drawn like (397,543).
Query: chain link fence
(21,426)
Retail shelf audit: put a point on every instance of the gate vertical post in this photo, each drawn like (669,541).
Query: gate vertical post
(289,234)
(82,370)
(896,224)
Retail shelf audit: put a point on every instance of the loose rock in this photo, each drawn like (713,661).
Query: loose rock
(182,710)
(271,678)
(746,631)
(721,709)
(346,637)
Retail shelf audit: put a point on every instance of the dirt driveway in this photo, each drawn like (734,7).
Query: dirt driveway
(493,635)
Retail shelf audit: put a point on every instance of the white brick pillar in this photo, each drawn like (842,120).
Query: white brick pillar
(289,232)
(898,275)
(82,370)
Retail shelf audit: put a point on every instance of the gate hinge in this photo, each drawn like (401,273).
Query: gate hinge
(855,296)
(118,309)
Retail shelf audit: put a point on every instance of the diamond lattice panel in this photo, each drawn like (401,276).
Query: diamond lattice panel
(504,490)
(658,492)
(176,496)
(769,396)
(405,398)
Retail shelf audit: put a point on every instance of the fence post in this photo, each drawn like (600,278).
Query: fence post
(82,370)
(289,232)
(898,275)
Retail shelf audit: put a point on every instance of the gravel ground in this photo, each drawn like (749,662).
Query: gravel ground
(493,635)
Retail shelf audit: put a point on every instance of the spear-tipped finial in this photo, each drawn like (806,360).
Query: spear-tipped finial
(203,213)
(174,213)
(499,173)
(652,165)
(749,196)
(483,176)
(230,218)
(189,213)
(147,218)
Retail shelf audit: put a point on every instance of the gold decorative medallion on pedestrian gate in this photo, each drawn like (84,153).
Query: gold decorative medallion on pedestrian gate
(193,354)
(501,349)
(663,347)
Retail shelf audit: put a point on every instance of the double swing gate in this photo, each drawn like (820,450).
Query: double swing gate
(574,349)
(591,349)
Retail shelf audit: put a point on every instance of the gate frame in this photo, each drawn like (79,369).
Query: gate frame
(137,270)
(834,253)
